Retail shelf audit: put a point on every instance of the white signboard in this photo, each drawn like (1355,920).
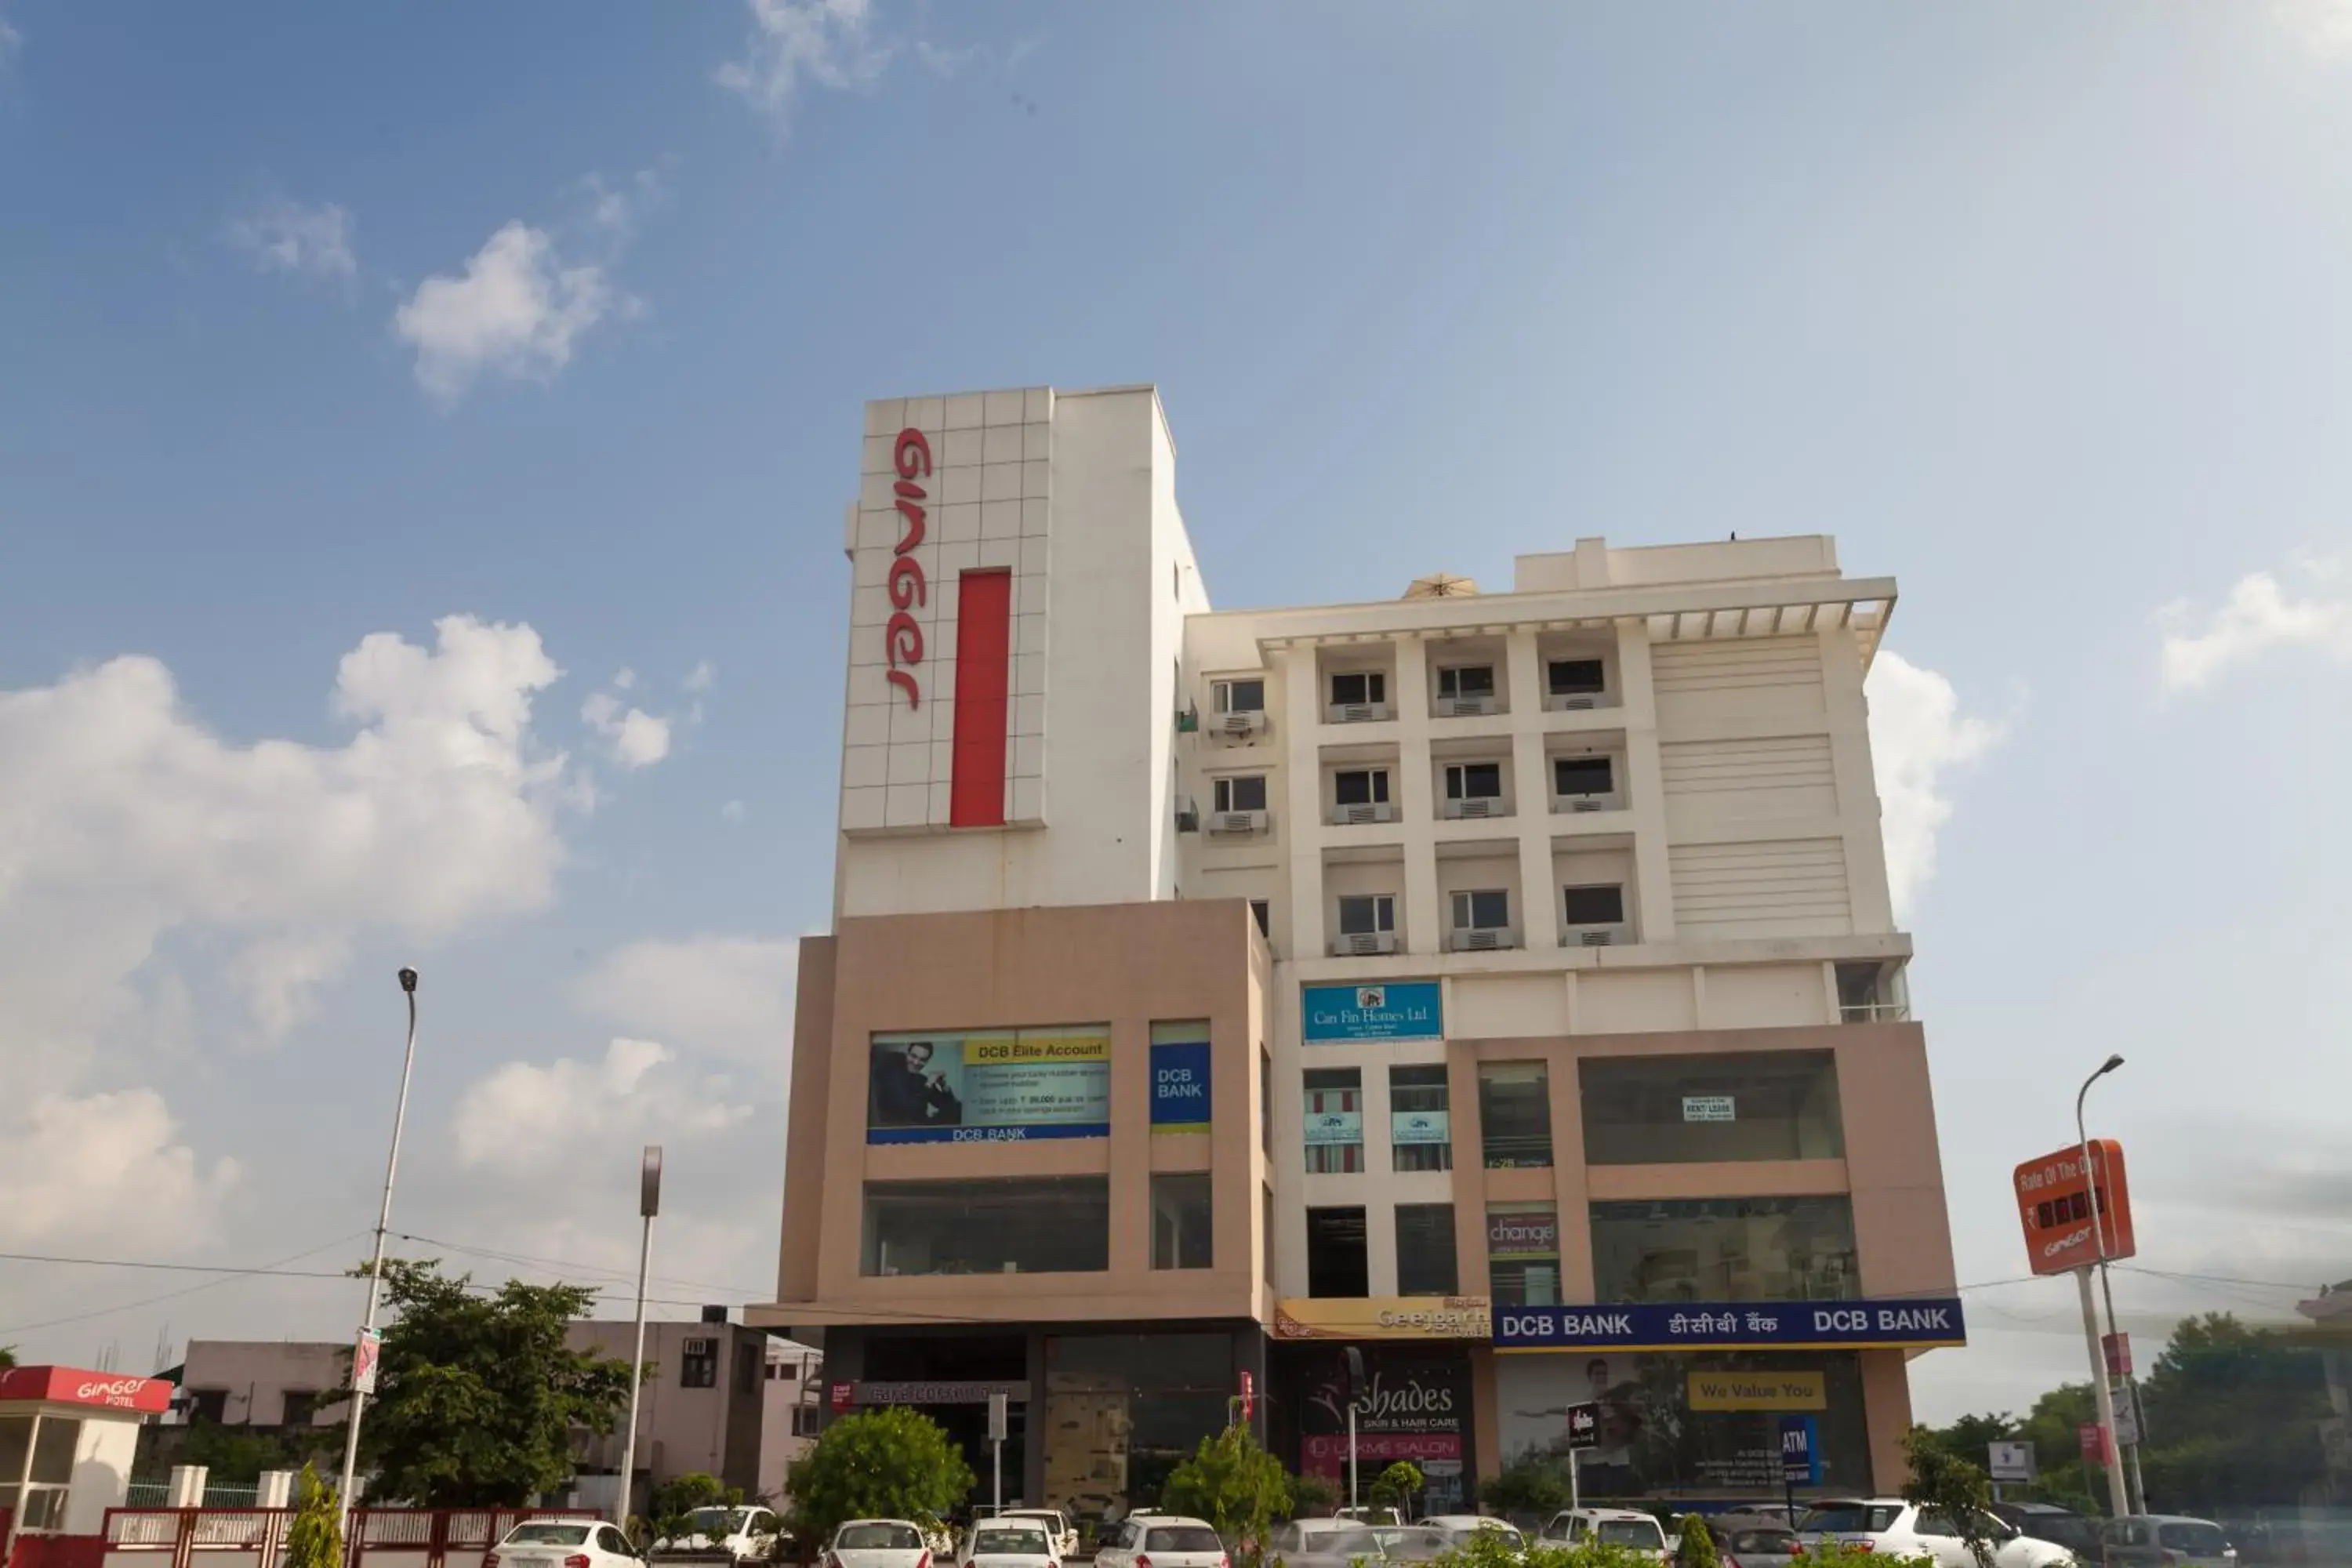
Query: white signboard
(1335,1127)
(1709,1108)
(2010,1461)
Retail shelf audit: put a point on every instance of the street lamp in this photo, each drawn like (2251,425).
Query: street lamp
(2138,1492)
(364,1352)
(648,1205)
(2118,1499)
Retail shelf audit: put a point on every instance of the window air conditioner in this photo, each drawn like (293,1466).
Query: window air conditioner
(1373,811)
(1596,936)
(1188,819)
(1232,822)
(1484,805)
(1589,801)
(1574,704)
(1357,712)
(1242,724)
(1462,707)
(1481,939)
(1364,943)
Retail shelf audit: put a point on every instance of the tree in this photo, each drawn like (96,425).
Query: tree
(1696,1547)
(315,1537)
(477,1395)
(236,1456)
(1527,1486)
(1235,1485)
(673,1501)
(1311,1495)
(2233,1418)
(891,1463)
(1969,1437)
(1942,1482)
(1394,1487)
(7,1357)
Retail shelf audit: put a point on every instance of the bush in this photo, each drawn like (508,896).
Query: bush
(1235,1485)
(892,1463)
(1696,1548)
(314,1539)
(1311,1495)
(1526,1485)
(1394,1487)
(1493,1548)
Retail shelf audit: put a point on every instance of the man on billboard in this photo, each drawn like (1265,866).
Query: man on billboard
(906,1090)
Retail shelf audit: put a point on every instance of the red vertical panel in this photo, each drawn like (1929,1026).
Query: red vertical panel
(984,684)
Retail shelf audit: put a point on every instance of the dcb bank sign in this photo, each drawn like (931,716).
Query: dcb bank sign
(1179,1086)
(1907,1322)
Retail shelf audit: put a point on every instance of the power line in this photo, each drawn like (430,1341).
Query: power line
(225,1278)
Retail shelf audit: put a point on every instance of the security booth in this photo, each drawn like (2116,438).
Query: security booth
(67,1439)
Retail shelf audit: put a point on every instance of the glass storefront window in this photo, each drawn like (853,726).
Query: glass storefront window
(1420,1135)
(1523,1253)
(1181,1215)
(1031,1224)
(1424,1250)
(1335,1119)
(1515,1114)
(1724,1249)
(1758,1105)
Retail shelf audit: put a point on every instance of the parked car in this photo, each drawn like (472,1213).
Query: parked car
(1368,1515)
(1610,1526)
(1753,1545)
(1460,1527)
(877,1544)
(1054,1524)
(2165,1540)
(2048,1521)
(1009,1541)
(562,1543)
(1890,1524)
(723,1534)
(1323,1543)
(1410,1542)
(1164,1541)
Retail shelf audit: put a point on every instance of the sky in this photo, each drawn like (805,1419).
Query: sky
(424,433)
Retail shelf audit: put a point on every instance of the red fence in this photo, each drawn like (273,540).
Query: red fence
(254,1537)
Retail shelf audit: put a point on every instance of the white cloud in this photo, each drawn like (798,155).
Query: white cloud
(699,677)
(1917,737)
(516,313)
(793,42)
(633,737)
(524,1117)
(106,1165)
(12,44)
(286,237)
(2322,27)
(733,811)
(2257,616)
(723,996)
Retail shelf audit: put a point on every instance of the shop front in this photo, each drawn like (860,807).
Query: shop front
(1414,1402)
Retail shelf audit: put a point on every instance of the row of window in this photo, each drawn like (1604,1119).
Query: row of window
(1576,778)
(1369,689)
(1028,1225)
(1636,1110)
(1484,908)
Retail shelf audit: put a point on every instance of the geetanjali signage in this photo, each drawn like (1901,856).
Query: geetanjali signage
(903,638)
(1910,1324)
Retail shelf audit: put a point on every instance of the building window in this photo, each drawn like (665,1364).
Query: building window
(1523,1253)
(747,1370)
(1575,677)
(1365,914)
(1360,786)
(1266,1100)
(807,1420)
(1515,1114)
(208,1404)
(1240,792)
(1755,1105)
(1421,1133)
(1724,1249)
(1573,776)
(300,1404)
(1335,1253)
(1473,781)
(1180,1219)
(1028,1225)
(697,1363)
(1872,993)
(1357,687)
(1483,909)
(1600,904)
(1424,1250)
(1265,1232)
(1467,681)
(1239,696)
(1262,911)
(1335,1119)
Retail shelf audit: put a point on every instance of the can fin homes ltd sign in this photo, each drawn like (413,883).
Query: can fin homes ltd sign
(902,637)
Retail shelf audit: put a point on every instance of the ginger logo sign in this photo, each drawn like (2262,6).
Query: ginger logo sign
(902,636)
(2054,1201)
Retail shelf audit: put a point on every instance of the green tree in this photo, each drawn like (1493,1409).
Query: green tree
(2233,1418)
(2054,1427)
(1969,1437)
(1493,1548)
(477,1395)
(1235,1485)
(7,1357)
(1942,1482)
(673,1500)
(1527,1486)
(314,1539)
(1394,1487)
(235,1456)
(891,1463)
(1311,1495)
(1696,1549)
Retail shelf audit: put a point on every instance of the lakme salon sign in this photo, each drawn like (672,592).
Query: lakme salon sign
(903,636)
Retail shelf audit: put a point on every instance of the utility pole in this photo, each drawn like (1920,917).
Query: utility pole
(364,1352)
(648,1205)
(2118,1496)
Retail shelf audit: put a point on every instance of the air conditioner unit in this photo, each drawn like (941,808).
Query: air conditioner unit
(1574,704)
(1596,936)
(1242,724)
(1373,811)
(1188,820)
(1483,939)
(1357,712)
(1463,707)
(1483,805)
(1364,944)
(1588,802)
(1236,822)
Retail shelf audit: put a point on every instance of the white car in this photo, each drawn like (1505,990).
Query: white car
(1012,1541)
(1609,1526)
(877,1544)
(1065,1536)
(1460,1527)
(737,1534)
(1890,1524)
(562,1543)
(1163,1541)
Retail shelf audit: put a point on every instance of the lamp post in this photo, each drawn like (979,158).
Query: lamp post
(2118,1499)
(364,1352)
(648,1205)
(2137,1493)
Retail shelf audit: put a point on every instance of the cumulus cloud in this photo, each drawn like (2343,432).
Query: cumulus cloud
(2258,615)
(286,237)
(105,1164)
(525,1118)
(699,680)
(2322,27)
(633,737)
(724,995)
(1919,737)
(516,313)
(793,43)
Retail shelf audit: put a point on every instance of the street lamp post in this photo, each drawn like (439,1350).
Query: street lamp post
(648,1205)
(364,1352)
(2118,1499)
(2137,1492)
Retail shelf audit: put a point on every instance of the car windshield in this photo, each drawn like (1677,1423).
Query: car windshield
(718,1521)
(1630,1532)
(1200,1538)
(1020,1543)
(2192,1536)
(1849,1518)
(548,1535)
(879,1538)
(1049,1519)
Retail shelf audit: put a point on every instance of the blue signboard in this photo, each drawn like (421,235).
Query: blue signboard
(1908,1321)
(1180,1086)
(1402,1010)
(1800,1455)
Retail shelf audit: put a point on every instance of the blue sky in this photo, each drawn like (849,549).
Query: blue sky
(322,325)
